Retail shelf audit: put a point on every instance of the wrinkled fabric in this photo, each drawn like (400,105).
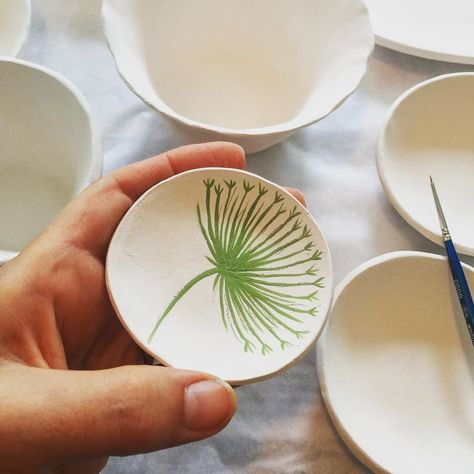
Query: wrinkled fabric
(282,424)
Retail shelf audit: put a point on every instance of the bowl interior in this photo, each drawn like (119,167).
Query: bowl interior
(396,358)
(240,65)
(14,22)
(220,271)
(430,133)
(47,149)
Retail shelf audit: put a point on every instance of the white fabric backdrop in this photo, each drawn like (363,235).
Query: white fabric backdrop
(281,425)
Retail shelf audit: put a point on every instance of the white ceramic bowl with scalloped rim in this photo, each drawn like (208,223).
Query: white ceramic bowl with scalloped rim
(251,72)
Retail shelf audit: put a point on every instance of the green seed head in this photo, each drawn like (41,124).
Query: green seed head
(259,264)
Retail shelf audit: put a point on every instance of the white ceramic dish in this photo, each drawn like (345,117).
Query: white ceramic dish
(396,366)
(428,131)
(251,72)
(14,24)
(433,29)
(240,290)
(50,150)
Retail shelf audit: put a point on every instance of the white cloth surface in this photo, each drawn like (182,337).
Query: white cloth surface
(281,425)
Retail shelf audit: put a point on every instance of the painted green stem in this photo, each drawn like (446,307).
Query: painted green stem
(179,295)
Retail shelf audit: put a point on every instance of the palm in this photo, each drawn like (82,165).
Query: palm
(65,293)
(92,335)
(55,313)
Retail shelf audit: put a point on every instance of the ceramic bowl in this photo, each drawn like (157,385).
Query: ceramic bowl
(396,366)
(220,271)
(251,72)
(50,150)
(431,29)
(428,131)
(14,24)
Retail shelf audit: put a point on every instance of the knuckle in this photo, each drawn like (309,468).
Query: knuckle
(130,408)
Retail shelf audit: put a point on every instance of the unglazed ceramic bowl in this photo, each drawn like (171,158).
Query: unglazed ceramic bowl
(251,72)
(14,24)
(220,271)
(50,150)
(396,365)
(433,29)
(429,131)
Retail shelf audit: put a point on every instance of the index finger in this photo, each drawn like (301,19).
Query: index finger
(90,220)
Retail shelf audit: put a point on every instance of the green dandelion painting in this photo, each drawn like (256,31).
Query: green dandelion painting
(262,262)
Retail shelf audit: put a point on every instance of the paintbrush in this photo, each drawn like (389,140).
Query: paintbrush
(459,279)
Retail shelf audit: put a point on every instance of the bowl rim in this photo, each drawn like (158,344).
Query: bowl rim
(381,159)
(96,155)
(24,33)
(287,127)
(396,43)
(329,287)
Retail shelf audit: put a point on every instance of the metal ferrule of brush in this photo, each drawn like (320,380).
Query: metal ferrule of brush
(445,233)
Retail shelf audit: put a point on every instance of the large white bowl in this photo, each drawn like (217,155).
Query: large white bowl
(252,72)
(50,150)
(429,131)
(14,23)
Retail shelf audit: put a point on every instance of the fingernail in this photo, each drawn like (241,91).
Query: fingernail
(208,404)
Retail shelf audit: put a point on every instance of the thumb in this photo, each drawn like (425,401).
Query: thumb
(122,411)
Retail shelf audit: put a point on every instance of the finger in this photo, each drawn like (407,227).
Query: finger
(135,179)
(120,411)
(297,195)
(89,221)
(87,466)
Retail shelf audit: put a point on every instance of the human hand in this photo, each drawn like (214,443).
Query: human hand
(55,313)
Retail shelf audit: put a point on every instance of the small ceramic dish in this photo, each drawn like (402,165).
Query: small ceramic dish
(220,271)
(50,150)
(432,29)
(15,18)
(251,72)
(428,131)
(396,365)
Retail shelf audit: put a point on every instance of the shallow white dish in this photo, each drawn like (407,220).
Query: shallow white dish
(15,18)
(428,131)
(218,313)
(251,72)
(50,150)
(396,366)
(433,29)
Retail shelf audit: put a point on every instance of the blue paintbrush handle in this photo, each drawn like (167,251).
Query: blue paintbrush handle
(462,288)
